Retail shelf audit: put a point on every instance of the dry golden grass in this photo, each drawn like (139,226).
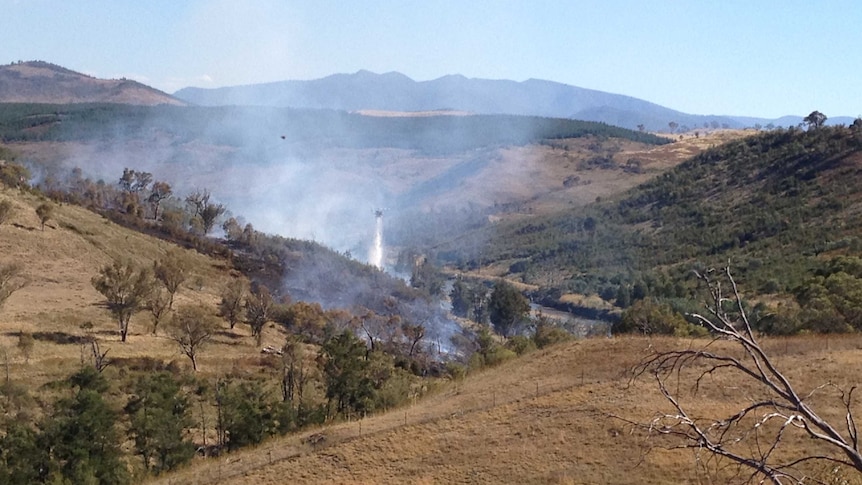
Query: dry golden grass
(545,418)
(60,262)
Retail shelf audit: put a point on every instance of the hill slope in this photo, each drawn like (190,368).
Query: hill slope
(548,417)
(59,262)
(42,82)
(775,205)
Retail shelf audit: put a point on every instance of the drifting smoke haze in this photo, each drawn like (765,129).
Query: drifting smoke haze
(319,175)
(315,175)
(304,175)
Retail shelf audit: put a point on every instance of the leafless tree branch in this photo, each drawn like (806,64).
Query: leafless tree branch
(752,437)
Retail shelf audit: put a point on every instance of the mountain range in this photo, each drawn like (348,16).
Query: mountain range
(394,91)
(365,91)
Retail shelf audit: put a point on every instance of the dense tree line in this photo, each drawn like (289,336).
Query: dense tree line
(229,126)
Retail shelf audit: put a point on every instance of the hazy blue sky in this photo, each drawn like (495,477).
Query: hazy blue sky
(757,58)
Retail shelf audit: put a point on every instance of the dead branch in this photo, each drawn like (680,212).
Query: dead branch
(751,437)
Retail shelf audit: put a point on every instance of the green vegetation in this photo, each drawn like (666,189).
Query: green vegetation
(776,205)
(228,125)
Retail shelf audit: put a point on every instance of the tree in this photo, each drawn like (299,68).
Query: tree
(14,175)
(172,271)
(159,192)
(232,298)
(414,335)
(25,344)
(21,458)
(672,125)
(641,128)
(210,214)
(258,310)
(814,120)
(232,229)
(467,299)
(79,441)
(207,211)
(507,307)
(126,289)
(650,318)
(294,373)
(245,414)
(11,280)
(157,303)
(192,327)
(7,210)
(344,369)
(427,277)
(45,212)
(771,409)
(159,414)
(135,182)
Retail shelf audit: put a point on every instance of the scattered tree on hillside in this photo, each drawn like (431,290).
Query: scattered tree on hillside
(672,125)
(210,214)
(45,212)
(126,289)
(769,414)
(856,129)
(461,297)
(159,192)
(294,374)
(345,370)
(425,276)
(648,317)
(192,327)
(245,414)
(641,128)
(232,229)
(258,309)
(205,210)
(11,280)
(135,182)
(814,120)
(25,344)
(414,333)
(158,304)
(79,441)
(6,211)
(172,271)
(159,414)
(232,299)
(507,308)
(14,175)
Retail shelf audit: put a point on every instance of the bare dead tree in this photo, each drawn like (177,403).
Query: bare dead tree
(752,437)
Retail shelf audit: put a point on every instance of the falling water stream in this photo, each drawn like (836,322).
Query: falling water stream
(376,257)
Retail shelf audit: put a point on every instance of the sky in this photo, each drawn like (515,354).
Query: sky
(731,57)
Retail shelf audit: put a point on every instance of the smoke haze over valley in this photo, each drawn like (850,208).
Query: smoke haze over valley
(285,241)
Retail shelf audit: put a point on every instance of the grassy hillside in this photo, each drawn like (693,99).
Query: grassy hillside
(550,417)
(59,263)
(43,82)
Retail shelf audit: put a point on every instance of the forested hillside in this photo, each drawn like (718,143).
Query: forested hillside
(778,206)
(243,125)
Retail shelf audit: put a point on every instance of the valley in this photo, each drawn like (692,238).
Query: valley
(189,285)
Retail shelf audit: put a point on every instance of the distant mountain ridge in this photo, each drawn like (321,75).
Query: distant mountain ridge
(394,91)
(43,82)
